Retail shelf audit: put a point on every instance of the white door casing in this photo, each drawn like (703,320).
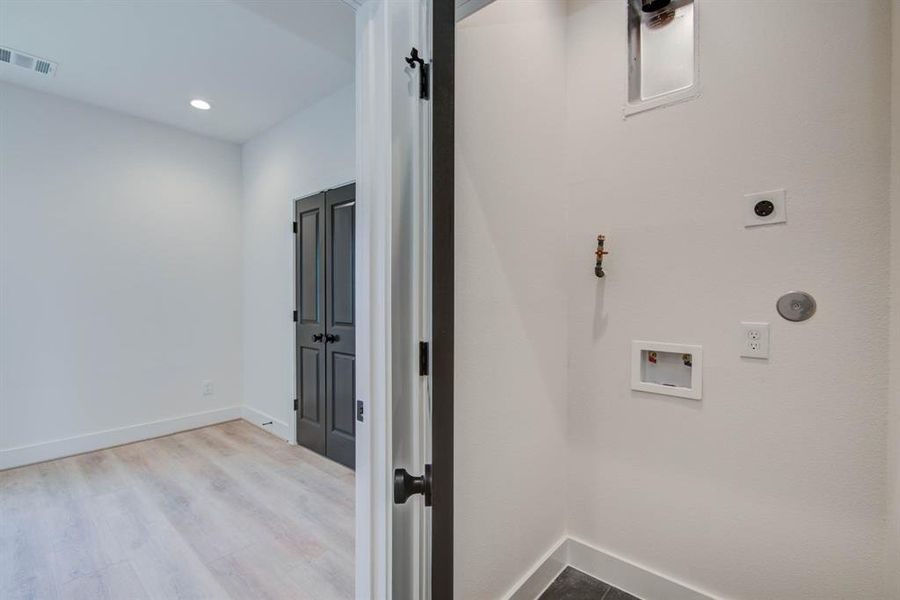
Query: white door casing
(391,312)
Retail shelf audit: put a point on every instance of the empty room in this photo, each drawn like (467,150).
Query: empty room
(155,159)
(450,299)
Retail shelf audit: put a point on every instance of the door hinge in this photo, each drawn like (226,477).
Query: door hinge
(294,226)
(360,411)
(414,59)
(295,316)
(296,404)
(423,358)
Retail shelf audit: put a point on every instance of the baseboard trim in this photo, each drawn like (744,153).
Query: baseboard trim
(614,570)
(279,429)
(44,451)
(633,578)
(542,574)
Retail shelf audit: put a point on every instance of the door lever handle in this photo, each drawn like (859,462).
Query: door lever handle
(331,338)
(317,337)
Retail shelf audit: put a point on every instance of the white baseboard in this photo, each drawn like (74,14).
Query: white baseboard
(279,429)
(542,574)
(628,576)
(35,453)
(616,571)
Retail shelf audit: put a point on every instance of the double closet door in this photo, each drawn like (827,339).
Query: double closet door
(325,328)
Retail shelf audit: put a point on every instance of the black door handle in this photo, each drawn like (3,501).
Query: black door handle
(331,338)
(405,485)
(317,337)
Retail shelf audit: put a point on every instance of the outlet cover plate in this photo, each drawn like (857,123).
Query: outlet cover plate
(755,340)
(778,198)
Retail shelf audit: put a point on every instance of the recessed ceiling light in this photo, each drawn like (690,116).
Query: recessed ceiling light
(200,104)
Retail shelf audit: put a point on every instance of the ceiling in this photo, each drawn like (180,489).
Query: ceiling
(256,61)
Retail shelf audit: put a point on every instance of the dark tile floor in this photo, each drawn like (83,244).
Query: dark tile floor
(572,584)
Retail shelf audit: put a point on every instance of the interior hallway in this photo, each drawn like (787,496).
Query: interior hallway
(226,511)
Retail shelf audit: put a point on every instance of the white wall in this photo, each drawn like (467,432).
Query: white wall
(774,485)
(309,152)
(510,293)
(120,280)
(892,566)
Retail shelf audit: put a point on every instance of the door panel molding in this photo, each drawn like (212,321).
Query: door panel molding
(343,419)
(309,306)
(342,222)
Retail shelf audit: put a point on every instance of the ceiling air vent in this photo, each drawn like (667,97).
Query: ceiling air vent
(27,61)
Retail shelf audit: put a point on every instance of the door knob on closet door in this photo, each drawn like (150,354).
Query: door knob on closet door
(331,338)
(317,337)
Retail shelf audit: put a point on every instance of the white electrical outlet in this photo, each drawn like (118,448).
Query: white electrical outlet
(755,340)
(207,387)
(765,208)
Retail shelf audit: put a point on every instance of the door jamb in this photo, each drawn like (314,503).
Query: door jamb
(373,309)
(376,59)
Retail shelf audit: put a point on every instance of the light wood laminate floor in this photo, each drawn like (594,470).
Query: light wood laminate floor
(226,511)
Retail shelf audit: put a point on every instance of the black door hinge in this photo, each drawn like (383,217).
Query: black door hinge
(423,358)
(296,404)
(294,226)
(295,316)
(360,411)
(414,59)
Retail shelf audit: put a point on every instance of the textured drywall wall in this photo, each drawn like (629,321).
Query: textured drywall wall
(309,152)
(773,486)
(510,293)
(892,564)
(120,280)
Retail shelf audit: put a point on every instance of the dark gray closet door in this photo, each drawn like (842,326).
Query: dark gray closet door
(340,330)
(310,216)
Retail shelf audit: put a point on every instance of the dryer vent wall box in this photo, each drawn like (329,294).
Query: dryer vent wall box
(668,369)
(662,54)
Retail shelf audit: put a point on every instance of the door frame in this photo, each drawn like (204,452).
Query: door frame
(385,169)
(374,189)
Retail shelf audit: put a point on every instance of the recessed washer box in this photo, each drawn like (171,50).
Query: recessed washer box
(668,369)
